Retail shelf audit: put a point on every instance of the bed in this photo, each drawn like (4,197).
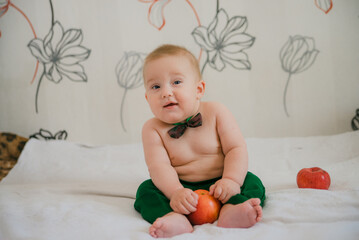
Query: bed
(66,190)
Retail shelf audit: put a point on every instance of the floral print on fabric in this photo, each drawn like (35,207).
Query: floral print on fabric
(47,135)
(60,53)
(224,41)
(129,74)
(297,55)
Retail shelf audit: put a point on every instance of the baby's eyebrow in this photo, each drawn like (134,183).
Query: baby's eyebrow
(149,81)
(177,74)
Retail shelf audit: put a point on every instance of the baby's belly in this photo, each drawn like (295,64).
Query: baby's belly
(199,170)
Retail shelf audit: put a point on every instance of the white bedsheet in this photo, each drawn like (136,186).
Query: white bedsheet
(63,190)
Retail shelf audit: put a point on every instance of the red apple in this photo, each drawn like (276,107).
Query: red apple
(207,208)
(314,177)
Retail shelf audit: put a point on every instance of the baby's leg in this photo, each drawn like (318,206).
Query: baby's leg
(242,215)
(170,225)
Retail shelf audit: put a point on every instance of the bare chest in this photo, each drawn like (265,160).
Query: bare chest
(195,144)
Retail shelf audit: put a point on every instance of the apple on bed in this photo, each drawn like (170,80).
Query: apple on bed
(207,208)
(314,177)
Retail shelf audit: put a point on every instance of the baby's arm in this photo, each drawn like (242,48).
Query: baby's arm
(235,152)
(163,175)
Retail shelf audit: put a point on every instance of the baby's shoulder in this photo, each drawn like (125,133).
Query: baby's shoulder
(151,123)
(216,111)
(213,107)
(154,125)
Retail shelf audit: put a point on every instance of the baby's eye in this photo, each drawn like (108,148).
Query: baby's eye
(177,82)
(155,87)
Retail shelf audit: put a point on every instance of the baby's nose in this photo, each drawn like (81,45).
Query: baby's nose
(166,92)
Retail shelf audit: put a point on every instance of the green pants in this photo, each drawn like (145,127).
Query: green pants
(151,203)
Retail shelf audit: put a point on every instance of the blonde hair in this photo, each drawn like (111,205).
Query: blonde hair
(173,50)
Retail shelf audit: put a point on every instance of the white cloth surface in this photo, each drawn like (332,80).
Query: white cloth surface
(63,190)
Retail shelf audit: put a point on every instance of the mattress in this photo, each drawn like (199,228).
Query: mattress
(66,190)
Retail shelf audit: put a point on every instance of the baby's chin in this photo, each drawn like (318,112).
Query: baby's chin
(172,120)
(172,116)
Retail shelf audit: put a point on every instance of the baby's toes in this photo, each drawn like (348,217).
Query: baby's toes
(255,201)
(259,211)
(156,228)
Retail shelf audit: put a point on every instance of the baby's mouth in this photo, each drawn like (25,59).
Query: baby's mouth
(170,105)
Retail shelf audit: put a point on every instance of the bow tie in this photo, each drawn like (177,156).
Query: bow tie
(180,128)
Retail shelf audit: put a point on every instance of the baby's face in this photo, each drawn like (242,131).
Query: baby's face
(173,88)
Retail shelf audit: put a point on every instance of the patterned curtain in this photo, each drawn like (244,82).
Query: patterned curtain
(73,69)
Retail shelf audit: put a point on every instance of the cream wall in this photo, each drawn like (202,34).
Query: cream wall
(320,100)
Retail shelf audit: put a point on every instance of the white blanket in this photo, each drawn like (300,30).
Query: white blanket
(63,190)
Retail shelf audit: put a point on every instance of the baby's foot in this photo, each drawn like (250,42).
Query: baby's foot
(242,215)
(170,225)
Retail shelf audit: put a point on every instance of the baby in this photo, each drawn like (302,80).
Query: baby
(189,145)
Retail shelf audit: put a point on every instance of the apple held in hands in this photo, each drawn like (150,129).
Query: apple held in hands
(314,177)
(207,209)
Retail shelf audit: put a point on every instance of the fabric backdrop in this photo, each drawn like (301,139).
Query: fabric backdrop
(72,69)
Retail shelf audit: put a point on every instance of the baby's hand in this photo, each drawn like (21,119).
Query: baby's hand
(184,201)
(224,189)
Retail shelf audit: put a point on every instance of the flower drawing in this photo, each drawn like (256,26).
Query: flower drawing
(355,121)
(296,56)
(324,5)
(156,15)
(129,74)
(4,7)
(224,41)
(47,135)
(155,12)
(60,53)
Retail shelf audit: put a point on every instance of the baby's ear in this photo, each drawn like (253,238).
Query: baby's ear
(201,87)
